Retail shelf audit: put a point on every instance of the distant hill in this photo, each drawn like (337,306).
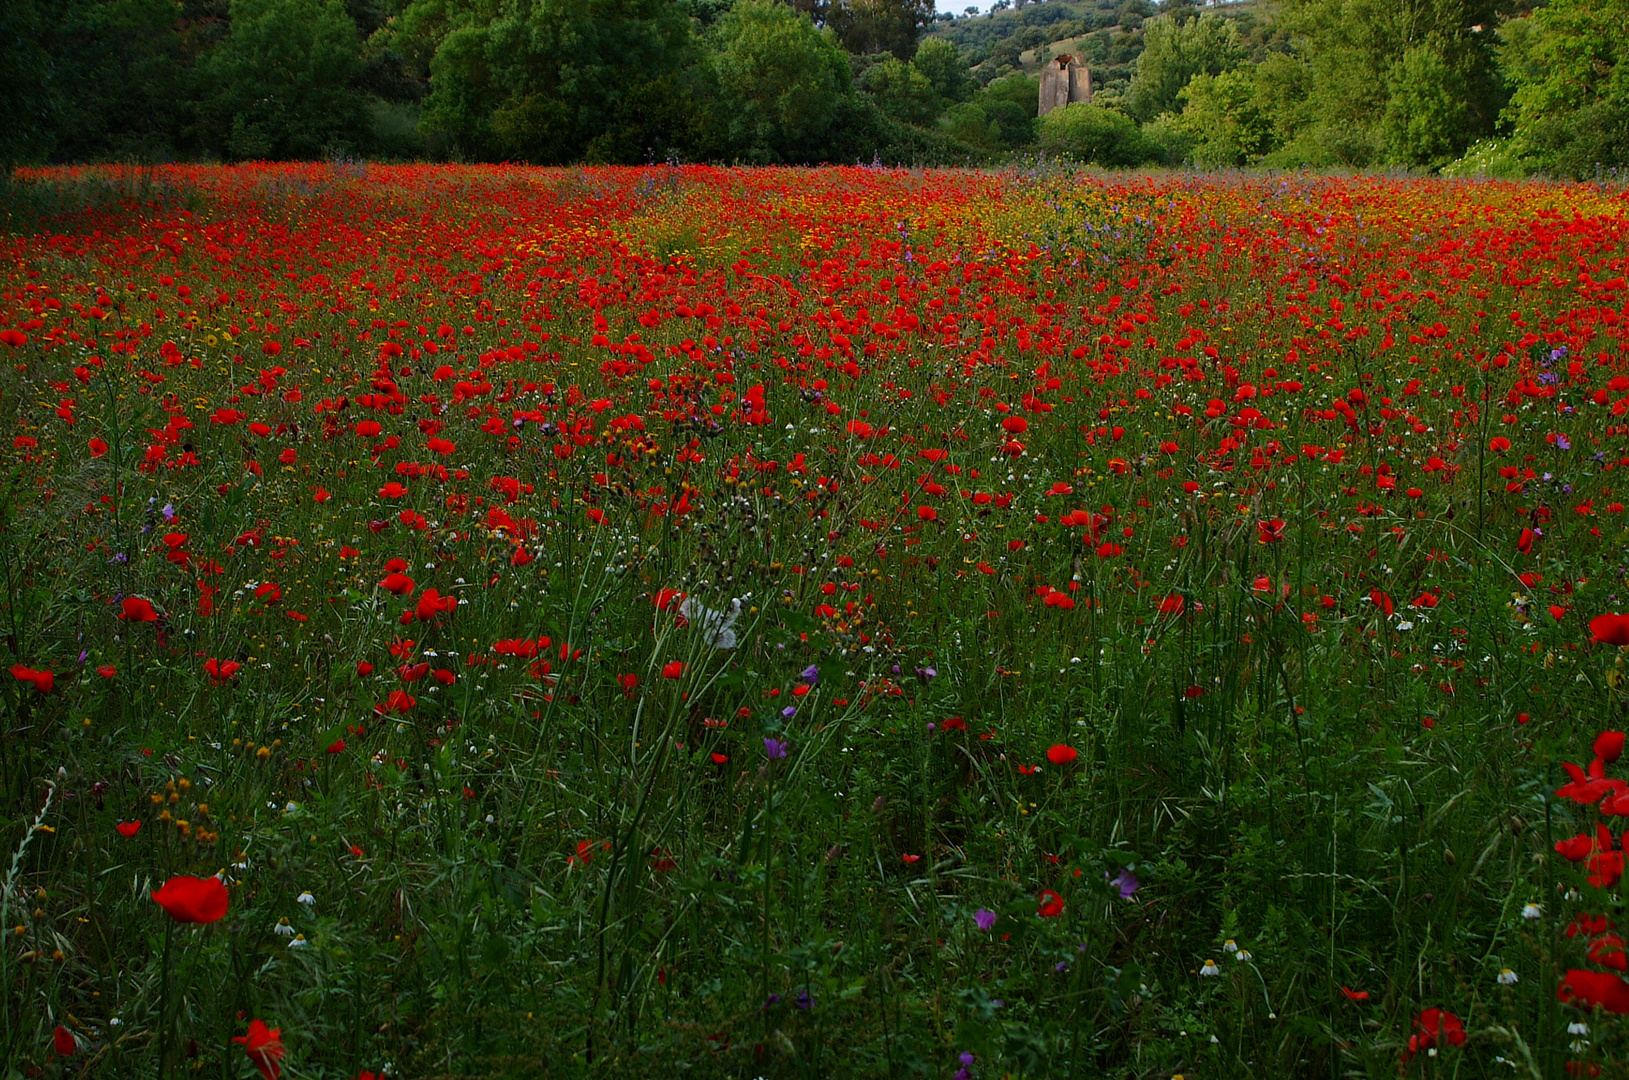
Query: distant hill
(1105,34)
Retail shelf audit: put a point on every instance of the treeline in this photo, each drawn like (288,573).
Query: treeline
(1461,85)
(544,81)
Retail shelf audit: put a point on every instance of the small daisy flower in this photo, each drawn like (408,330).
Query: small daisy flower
(305,898)
(1210,968)
(299,942)
(1242,955)
(1230,945)
(1507,977)
(283,929)
(1531,911)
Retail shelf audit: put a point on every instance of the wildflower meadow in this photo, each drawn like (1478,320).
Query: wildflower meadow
(617,622)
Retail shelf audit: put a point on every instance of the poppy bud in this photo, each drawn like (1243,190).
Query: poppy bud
(1609,746)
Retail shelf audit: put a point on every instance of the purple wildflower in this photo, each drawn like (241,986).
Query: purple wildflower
(774,748)
(984,919)
(1126,882)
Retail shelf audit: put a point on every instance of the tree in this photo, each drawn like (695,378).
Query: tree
(1174,52)
(1425,118)
(1571,69)
(943,65)
(902,92)
(1350,48)
(26,83)
(873,26)
(1221,123)
(781,83)
(279,85)
(128,97)
(551,81)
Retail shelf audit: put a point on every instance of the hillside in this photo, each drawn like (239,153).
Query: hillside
(1106,34)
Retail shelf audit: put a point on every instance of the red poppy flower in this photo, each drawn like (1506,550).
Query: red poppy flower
(397,584)
(220,671)
(1609,630)
(1607,950)
(1434,1027)
(42,681)
(337,746)
(1051,905)
(396,703)
(432,603)
(193,900)
(264,1048)
(1355,995)
(673,669)
(1605,868)
(1594,989)
(135,609)
(97,448)
(62,1040)
(1061,754)
(127,829)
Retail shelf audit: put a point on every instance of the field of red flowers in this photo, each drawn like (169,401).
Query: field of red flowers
(846,622)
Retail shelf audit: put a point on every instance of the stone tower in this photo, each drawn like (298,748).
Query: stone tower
(1062,81)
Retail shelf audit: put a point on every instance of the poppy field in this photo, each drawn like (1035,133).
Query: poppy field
(471,621)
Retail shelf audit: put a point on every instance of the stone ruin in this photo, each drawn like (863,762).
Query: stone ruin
(1063,80)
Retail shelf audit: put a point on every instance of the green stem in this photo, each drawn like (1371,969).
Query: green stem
(164,999)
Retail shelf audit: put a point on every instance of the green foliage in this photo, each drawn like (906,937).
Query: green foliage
(1174,51)
(942,64)
(1313,83)
(1493,158)
(27,76)
(1097,135)
(782,83)
(550,81)
(1360,54)
(1222,123)
(279,85)
(873,26)
(999,117)
(1426,115)
(128,94)
(902,92)
(1570,64)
